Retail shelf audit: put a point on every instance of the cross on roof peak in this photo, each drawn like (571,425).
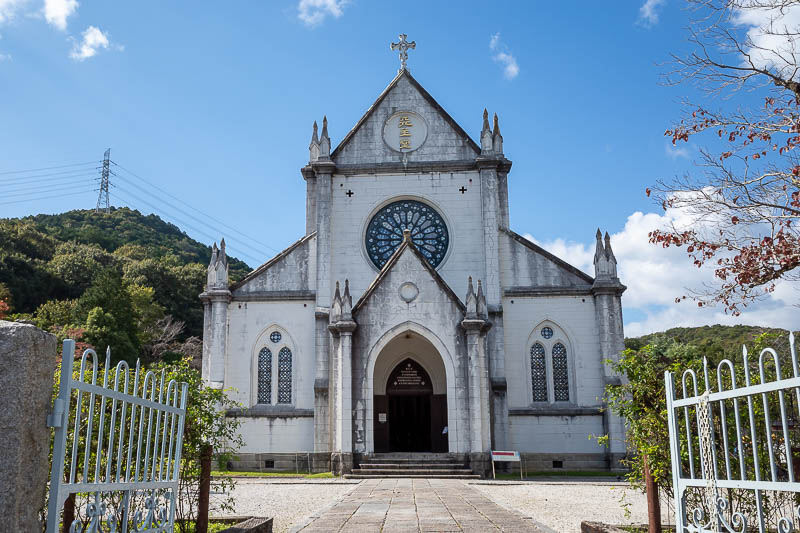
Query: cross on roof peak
(404,46)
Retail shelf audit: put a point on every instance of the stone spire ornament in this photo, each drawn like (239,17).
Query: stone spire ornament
(612,261)
(404,46)
(486,135)
(313,147)
(217,268)
(483,310)
(347,302)
(324,140)
(497,139)
(335,313)
(471,302)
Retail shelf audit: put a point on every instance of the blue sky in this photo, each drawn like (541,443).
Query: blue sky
(213,102)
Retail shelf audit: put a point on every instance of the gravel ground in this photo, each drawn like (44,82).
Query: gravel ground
(561,506)
(558,506)
(288,501)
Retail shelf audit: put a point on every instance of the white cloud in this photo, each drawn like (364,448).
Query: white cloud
(93,40)
(675,152)
(767,48)
(648,13)
(56,12)
(314,12)
(655,276)
(501,54)
(9,9)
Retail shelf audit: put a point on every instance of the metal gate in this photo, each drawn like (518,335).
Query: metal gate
(735,448)
(117,445)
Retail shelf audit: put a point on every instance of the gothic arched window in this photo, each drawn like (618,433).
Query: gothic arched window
(550,364)
(538,373)
(265,376)
(560,373)
(285,375)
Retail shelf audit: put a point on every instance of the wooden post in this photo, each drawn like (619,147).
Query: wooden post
(653,503)
(205,489)
(69,513)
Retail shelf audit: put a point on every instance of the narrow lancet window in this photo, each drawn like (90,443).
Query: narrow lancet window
(265,376)
(285,375)
(538,373)
(560,373)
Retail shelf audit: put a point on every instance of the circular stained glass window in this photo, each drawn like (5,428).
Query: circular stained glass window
(428,232)
(547,332)
(275,336)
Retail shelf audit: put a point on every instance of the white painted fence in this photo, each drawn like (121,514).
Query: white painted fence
(735,448)
(117,445)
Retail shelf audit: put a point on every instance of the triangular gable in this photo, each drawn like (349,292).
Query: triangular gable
(290,270)
(407,247)
(446,141)
(531,266)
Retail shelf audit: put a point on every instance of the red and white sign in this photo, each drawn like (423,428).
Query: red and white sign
(508,457)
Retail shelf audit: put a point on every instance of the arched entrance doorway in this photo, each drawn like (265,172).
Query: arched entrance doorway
(410,400)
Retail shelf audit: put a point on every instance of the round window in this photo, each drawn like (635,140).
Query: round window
(547,332)
(275,336)
(428,232)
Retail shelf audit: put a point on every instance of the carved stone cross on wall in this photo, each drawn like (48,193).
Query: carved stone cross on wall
(404,46)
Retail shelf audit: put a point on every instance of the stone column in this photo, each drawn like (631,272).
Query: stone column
(607,291)
(323,171)
(474,375)
(311,199)
(344,397)
(215,339)
(27,363)
(489,207)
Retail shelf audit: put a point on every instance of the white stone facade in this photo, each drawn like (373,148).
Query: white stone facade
(503,343)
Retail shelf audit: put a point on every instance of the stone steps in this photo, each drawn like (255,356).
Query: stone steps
(413,465)
(412,476)
(422,471)
(392,466)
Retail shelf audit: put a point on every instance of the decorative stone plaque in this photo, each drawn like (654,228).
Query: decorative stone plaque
(405,131)
(408,292)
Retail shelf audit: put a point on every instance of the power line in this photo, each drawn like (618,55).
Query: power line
(173,207)
(47,197)
(235,249)
(45,168)
(28,193)
(231,228)
(74,180)
(63,173)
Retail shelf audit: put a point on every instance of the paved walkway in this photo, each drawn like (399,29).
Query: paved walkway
(415,505)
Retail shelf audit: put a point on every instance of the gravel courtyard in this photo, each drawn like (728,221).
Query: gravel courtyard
(288,501)
(562,505)
(553,505)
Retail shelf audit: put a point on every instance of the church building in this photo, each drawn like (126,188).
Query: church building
(410,318)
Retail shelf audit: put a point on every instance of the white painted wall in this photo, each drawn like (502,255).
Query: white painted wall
(555,434)
(522,320)
(277,435)
(249,323)
(462,214)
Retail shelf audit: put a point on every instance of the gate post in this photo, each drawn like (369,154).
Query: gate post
(58,419)
(674,452)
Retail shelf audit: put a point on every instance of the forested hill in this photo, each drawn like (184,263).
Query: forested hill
(139,270)
(717,341)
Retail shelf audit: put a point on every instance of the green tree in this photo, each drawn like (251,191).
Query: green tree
(147,311)
(115,322)
(206,425)
(57,314)
(78,264)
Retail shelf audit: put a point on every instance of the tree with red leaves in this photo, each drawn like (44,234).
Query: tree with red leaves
(743,207)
